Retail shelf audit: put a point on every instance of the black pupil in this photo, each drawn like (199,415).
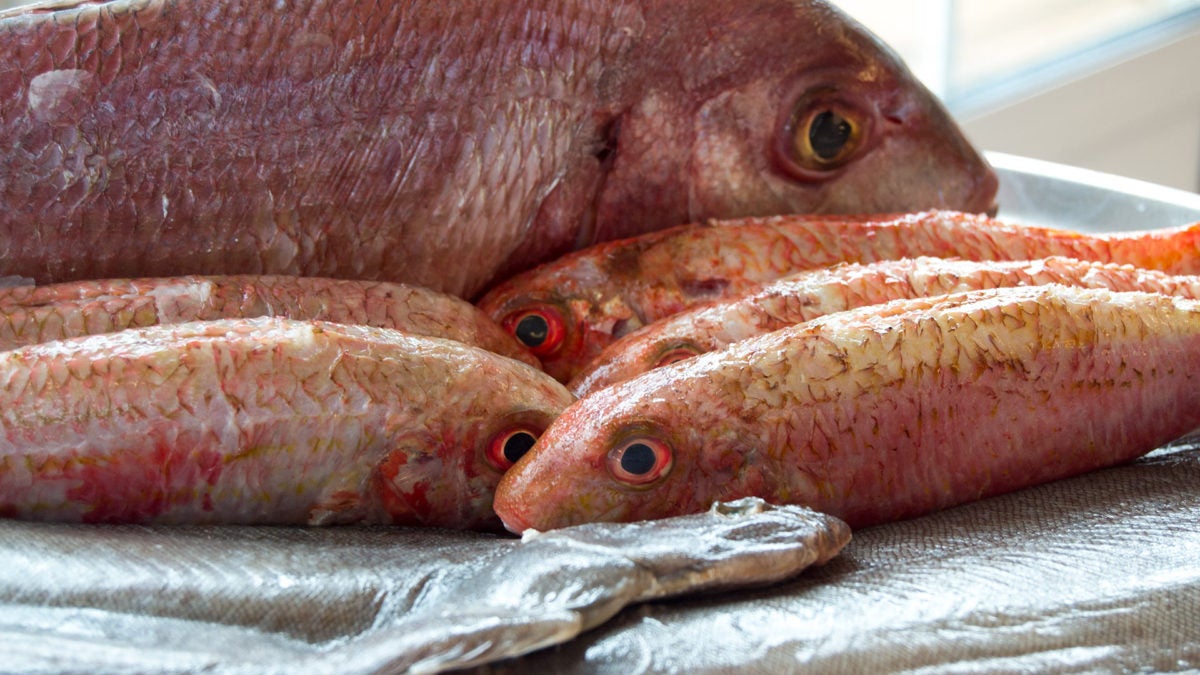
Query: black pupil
(532,330)
(638,459)
(828,134)
(517,445)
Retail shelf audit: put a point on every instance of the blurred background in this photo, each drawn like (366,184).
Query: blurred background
(1110,85)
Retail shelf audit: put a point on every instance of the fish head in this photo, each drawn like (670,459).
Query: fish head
(443,470)
(783,106)
(621,456)
(567,311)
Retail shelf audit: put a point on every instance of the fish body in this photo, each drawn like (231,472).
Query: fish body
(808,295)
(32,314)
(262,421)
(878,414)
(596,296)
(442,143)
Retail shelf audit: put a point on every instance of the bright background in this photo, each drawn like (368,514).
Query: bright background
(1112,85)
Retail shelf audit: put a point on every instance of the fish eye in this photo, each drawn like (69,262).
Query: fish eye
(510,445)
(640,461)
(676,354)
(829,137)
(540,328)
(822,134)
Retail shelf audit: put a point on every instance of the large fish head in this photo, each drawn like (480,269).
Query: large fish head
(782,106)
(620,455)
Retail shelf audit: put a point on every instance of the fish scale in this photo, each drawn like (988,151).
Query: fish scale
(260,421)
(879,413)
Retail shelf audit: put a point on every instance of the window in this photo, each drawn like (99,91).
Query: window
(974,53)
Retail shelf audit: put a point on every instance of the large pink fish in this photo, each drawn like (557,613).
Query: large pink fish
(879,413)
(440,142)
(264,421)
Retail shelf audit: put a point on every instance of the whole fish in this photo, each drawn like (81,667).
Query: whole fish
(569,310)
(263,421)
(365,600)
(31,314)
(880,413)
(808,295)
(444,143)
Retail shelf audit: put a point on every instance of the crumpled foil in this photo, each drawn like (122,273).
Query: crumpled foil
(114,599)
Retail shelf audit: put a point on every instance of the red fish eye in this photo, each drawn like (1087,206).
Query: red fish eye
(509,446)
(640,461)
(676,354)
(540,328)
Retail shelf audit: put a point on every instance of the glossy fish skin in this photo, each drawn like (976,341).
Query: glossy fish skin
(809,295)
(258,421)
(880,413)
(603,293)
(443,143)
(31,314)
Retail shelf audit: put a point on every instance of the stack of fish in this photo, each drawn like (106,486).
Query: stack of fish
(453,144)
(446,145)
(259,400)
(870,390)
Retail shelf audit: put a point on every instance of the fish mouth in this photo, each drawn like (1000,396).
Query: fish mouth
(515,524)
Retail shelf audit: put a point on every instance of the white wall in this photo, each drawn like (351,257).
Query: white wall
(1139,118)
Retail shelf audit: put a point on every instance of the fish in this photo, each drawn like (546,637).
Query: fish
(264,421)
(567,311)
(808,295)
(446,144)
(30,314)
(368,599)
(877,414)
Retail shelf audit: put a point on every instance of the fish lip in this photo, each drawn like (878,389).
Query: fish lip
(510,515)
(510,523)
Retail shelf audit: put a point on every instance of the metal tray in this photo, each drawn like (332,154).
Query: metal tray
(1035,192)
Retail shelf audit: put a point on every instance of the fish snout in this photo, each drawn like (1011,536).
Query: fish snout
(960,177)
